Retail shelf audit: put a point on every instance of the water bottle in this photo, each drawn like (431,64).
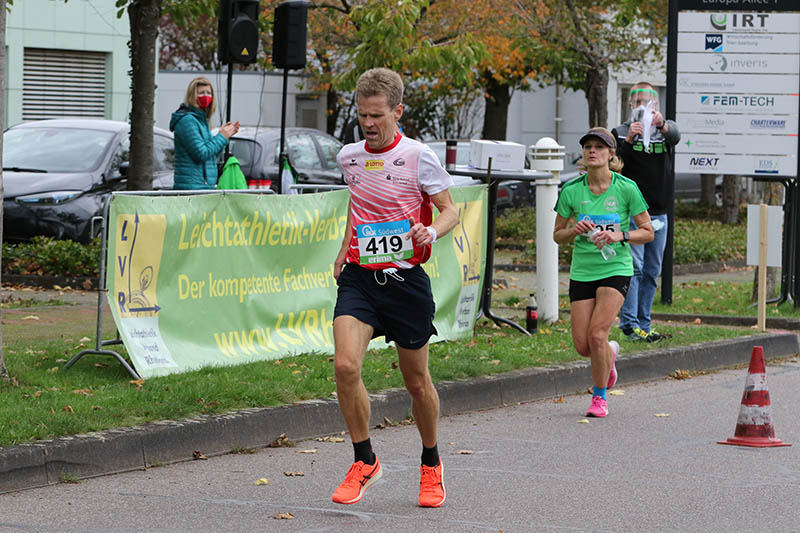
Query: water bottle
(532,316)
(606,251)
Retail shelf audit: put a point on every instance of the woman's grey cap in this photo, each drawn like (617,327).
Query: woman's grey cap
(601,134)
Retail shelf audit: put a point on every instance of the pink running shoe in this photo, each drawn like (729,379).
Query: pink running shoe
(612,377)
(598,409)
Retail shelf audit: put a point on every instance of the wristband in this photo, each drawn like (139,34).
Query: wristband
(432,231)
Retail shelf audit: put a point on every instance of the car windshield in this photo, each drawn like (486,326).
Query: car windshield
(55,149)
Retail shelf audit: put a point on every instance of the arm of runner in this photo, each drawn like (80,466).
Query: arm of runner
(446,221)
(562,234)
(644,233)
(340,257)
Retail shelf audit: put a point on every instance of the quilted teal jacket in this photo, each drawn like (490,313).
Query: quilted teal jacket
(196,150)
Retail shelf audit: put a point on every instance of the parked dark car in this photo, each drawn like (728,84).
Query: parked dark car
(58,173)
(509,193)
(312,154)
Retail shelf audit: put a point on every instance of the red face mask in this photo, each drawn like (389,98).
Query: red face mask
(203,101)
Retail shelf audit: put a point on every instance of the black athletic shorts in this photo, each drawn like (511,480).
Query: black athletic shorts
(586,290)
(398,306)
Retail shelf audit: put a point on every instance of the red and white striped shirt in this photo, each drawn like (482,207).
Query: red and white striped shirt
(391,185)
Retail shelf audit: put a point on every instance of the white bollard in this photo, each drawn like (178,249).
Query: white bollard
(546,249)
(547,155)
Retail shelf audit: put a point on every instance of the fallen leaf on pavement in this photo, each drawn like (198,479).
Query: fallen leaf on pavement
(262,481)
(313,450)
(617,392)
(663,415)
(583,421)
(30,317)
(281,441)
(197,455)
(329,439)
(293,474)
(697,321)
(465,452)
(283,516)
(560,399)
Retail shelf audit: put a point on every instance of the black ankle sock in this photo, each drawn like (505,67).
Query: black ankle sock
(627,331)
(430,456)
(363,452)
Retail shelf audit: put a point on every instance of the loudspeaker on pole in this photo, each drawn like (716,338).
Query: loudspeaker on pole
(289,35)
(238,31)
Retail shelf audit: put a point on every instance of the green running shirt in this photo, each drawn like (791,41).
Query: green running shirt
(612,210)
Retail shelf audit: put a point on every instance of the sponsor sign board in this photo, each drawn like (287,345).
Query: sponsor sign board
(737,80)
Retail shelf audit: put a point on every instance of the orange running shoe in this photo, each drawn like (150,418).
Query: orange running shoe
(431,486)
(359,478)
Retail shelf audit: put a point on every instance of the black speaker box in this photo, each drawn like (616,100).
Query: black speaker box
(238,31)
(289,35)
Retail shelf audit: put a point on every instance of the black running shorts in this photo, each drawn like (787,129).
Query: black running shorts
(586,290)
(398,306)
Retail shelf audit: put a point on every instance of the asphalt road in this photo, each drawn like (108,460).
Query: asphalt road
(529,467)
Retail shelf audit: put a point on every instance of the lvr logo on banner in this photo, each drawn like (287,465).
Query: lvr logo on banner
(139,244)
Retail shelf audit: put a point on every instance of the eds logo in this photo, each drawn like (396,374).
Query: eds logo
(714,42)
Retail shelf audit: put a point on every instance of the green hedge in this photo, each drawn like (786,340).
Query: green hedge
(45,256)
(696,240)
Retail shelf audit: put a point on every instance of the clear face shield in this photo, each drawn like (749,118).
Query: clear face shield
(642,99)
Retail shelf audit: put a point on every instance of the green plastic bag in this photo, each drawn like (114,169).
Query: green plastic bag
(232,176)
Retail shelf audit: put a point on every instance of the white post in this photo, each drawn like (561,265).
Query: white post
(546,249)
(547,155)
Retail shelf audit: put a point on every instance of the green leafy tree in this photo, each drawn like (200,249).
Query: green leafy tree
(144,17)
(582,40)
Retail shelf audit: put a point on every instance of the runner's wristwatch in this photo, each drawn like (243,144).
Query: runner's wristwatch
(626,236)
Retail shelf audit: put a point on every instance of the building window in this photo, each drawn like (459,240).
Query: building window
(63,83)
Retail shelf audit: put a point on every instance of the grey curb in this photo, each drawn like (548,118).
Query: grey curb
(47,462)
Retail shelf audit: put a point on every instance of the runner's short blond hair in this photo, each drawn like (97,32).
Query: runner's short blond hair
(377,81)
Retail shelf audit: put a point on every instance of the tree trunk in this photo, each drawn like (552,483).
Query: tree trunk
(708,189)
(495,117)
(730,199)
(3,370)
(771,194)
(144,16)
(597,96)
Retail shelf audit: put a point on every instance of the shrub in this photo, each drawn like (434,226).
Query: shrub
(45,256)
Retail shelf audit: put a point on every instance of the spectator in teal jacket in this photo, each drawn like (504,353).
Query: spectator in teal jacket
(196,149)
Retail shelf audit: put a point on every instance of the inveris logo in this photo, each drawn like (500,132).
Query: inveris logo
(714,42)
(731,21)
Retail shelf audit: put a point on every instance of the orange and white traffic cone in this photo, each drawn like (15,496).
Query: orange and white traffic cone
(754,426)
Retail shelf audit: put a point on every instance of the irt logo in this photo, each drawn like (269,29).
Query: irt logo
(714,42)
(720,21)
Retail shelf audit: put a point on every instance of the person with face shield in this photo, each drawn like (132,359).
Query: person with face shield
(196,149)
(646,144)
